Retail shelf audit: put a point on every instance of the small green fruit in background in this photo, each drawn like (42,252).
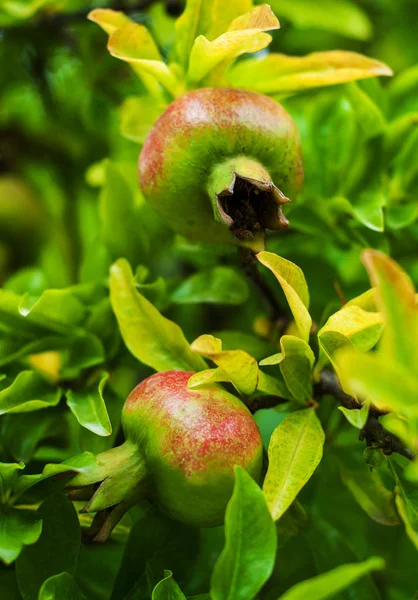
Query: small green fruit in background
(180,451)
(219,163)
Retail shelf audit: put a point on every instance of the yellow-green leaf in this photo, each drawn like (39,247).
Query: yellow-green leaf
(244,35)
(293,283)
(386,384)
(240,368)
(349,327)
(109,20)
(357,417)
(395,297)
(330,583)
(149,336)
(134,44)
(296,360)
(294,452)
(406,502)
(283,75)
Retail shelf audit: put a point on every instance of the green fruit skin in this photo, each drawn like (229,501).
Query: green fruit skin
(198,132)
(191,440)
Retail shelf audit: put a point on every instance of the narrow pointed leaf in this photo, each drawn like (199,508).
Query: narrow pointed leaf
(294,287)
(247,559)
(327,585)
(109,20)
(282,74)
(295,451)
(406,497)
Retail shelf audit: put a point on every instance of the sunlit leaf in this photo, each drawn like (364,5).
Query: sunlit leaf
(245,34)
(109,20)
(395,296)
(282,74)
(296,360)
(151,338)
(247,559)
(294,287)
(28,392)
(357,417)
(133,43)
(240,368)
(295,451)
(18,528)
(328,584)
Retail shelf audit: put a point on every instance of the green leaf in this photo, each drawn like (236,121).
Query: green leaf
(134,44)
(283,75)
(29,391)
(367,208)
(167,589)
(406,498)
(138,115)
(237,366)
(59,310)
(62,587)
(329,584)
(122,229)
(295,451)
(293,283)
(370,117)
(357,417)
(192,22)
(247,559)
(56,549)
(350,327)
(296,360)
(337,16)
(89,407)
(150,337)
(395,297)
(18,528)
(219,285)
(245,34)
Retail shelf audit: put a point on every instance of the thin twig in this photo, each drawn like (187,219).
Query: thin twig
(373,431)
(267,401)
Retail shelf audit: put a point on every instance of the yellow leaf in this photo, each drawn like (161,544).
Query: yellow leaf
(260,18)
(109,20)
(282,74)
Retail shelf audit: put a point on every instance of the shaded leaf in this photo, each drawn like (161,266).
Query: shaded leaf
(247,559)
(295,451)
(219,285)
(282,74)
(406,498)
(357,417)
(167,589)
(60,586)
(56,549)
(294,287)
(18,528)
(28,392)
(138,115)
(150,337)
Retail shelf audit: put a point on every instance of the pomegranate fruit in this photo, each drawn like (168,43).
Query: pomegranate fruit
(219,163)
(180,450)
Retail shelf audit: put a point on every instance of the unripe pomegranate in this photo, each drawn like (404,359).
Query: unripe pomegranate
(180,450)
(219,163)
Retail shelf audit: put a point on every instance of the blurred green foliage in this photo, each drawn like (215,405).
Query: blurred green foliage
(71,122)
